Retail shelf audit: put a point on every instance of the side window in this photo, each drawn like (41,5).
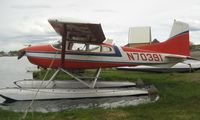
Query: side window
(94,48)
(107,49)
(90,48)
(78,47)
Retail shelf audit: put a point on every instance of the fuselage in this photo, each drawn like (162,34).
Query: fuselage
(92,56)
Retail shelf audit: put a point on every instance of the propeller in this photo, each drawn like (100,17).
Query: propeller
(21,53)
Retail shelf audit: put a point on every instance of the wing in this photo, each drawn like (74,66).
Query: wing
(79,31)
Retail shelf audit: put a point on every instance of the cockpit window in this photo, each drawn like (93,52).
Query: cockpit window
(94,48)
(106,49)
(82,47)
(78,47)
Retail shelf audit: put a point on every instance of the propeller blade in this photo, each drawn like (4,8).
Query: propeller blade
(21,54)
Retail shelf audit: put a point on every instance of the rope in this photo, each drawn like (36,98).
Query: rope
(31,103)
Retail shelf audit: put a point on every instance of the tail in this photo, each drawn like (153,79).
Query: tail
(178,43)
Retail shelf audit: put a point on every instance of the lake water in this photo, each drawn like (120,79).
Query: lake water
(12,70)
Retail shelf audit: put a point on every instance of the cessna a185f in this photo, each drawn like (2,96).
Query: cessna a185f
(83,47)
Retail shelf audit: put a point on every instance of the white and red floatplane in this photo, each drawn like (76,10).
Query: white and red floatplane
(83,47)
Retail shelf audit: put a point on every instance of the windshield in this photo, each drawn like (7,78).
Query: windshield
(57,45)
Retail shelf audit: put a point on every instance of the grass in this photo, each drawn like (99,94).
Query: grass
(179,100)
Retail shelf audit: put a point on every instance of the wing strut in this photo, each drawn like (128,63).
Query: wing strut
(61,28)
(64,39)
(92,85)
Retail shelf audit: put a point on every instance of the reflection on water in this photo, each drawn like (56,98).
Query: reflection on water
(59,105)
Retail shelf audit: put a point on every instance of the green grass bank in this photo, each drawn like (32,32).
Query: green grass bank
(179,100)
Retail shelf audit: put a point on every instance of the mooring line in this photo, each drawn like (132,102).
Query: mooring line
(32,101)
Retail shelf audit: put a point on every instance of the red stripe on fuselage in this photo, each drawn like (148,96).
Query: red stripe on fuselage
(73,64)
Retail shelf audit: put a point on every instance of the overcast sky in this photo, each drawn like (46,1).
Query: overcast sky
(24,22)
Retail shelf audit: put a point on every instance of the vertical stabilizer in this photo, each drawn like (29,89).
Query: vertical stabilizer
(178,28)
(178,43)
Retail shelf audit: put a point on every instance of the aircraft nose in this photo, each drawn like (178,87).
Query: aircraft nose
(21,53)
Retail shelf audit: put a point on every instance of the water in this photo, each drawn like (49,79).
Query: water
(12,70)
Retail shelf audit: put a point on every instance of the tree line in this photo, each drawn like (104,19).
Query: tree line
(10,53)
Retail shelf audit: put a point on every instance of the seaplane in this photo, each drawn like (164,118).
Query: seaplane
(83,47)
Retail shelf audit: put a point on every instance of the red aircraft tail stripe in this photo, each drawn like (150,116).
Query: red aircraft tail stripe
(178,44)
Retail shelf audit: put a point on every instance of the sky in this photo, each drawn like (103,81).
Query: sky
(25,22)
